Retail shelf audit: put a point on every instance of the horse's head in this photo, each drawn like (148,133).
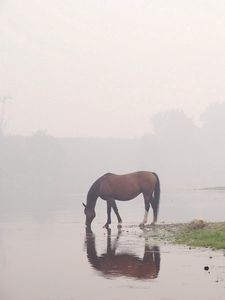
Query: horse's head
(90,215)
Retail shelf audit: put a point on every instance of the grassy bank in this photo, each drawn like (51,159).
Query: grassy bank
(201,234)
(195,234)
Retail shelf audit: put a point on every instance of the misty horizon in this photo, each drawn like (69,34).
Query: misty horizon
(184,156)
(162,117)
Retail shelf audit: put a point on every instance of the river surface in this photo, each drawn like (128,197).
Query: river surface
(46,254)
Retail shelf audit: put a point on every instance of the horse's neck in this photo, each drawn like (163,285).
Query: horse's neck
(91,201)
(92,196)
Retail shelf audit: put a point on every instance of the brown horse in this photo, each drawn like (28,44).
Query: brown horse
(111,187)
(112,264)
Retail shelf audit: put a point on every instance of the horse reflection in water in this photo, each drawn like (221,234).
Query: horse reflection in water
(112,264)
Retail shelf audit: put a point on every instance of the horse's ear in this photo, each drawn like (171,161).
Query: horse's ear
(84,204)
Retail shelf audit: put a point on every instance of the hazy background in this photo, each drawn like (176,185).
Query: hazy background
(105,68)
(89,87)
(98,86)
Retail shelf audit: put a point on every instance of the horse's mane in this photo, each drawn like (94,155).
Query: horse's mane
(93,192)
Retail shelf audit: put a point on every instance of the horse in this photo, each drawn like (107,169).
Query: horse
(111,187)
(124,263)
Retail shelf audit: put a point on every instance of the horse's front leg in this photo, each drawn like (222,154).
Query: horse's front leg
(108,222)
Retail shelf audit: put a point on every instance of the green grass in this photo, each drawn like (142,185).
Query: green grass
(212,235)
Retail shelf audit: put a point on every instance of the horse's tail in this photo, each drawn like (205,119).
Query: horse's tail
(156,196)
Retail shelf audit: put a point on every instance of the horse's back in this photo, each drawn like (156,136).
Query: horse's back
(140,178)
(126,186)
(134,175)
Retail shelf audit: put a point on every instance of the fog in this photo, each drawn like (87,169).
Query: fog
(45,167)
(88,87)
(105,68)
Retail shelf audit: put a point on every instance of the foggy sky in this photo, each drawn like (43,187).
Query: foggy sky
(105,68)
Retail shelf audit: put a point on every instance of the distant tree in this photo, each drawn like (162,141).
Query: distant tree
(174,126)
(213,120)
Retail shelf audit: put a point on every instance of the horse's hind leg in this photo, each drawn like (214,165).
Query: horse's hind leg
(155,210)
(147,199)
(114,206)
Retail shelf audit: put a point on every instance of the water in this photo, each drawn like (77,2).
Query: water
(46,254)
